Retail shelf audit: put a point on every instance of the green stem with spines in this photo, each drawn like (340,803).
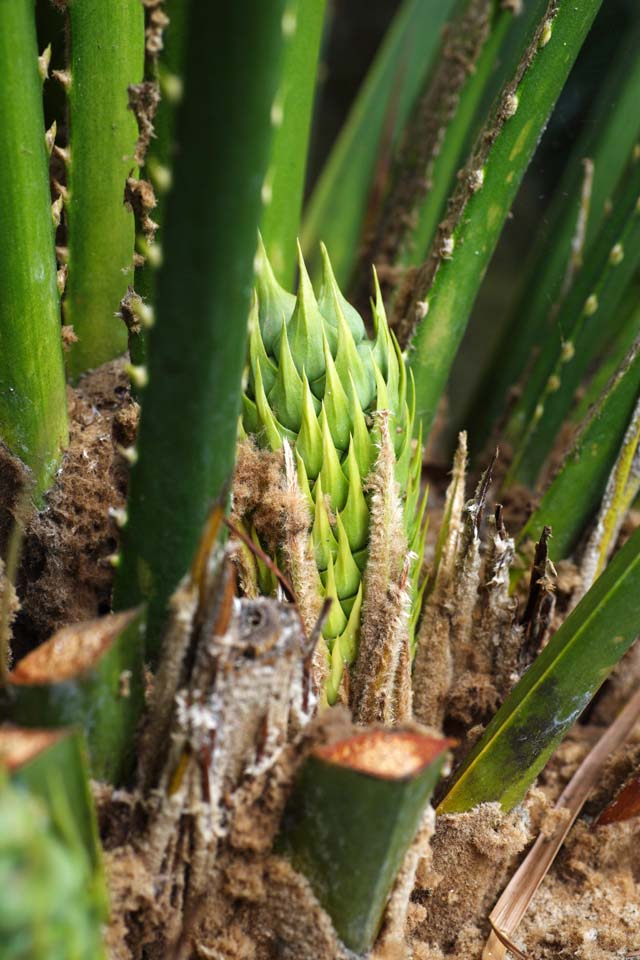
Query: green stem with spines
(554,691)
(33,409)
(197,347)
(106,57)
(291,117)
(613,126)
(165,70)
(444,291)
(416,202)
(336,209)
(447,162)
(564,360)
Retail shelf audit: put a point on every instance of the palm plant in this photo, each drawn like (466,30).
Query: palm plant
(278,555)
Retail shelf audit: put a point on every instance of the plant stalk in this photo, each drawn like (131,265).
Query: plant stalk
(33,408)
(197,348)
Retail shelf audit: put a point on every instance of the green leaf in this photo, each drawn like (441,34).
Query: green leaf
(554,691)
(54,898)
(47,764)
(584,320)
(338,203)
(449,158)
(291,118)
(274,302)
(613,358)
(575,493)
(444,290)
(612,127)
(287,394)
(306,328)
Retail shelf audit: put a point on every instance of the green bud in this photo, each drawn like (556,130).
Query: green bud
(274,301)
(363,441)
(274,431)
(382,346)
(336,621)
(355,516)
(309,442)
(303,481)
(286,396)
(258,354)
(336,403)
(250,416)
(266,579)
(348,639)
(336,669)
(331,298)
(306,329)
(317,380)
(325,545)
(350,366)
(334,481)
(346,570)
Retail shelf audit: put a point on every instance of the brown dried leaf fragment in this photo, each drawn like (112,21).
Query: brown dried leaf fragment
(625,805)
(540,604)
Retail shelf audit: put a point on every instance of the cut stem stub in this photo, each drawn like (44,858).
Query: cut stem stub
(352,815)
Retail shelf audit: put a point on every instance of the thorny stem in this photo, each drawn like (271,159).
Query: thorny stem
(424,168)
(33,409)
(187,435)
(107,55)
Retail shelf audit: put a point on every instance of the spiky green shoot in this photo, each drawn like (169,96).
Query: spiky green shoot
(317,382)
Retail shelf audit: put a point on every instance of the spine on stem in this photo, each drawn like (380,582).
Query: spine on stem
(33,414)
(106,58)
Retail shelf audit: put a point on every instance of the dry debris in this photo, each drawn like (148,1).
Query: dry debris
(65,574)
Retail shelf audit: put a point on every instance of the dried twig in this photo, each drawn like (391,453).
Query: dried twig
(519,892)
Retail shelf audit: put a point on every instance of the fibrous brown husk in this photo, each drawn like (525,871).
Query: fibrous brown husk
(473,855)
(65,573)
